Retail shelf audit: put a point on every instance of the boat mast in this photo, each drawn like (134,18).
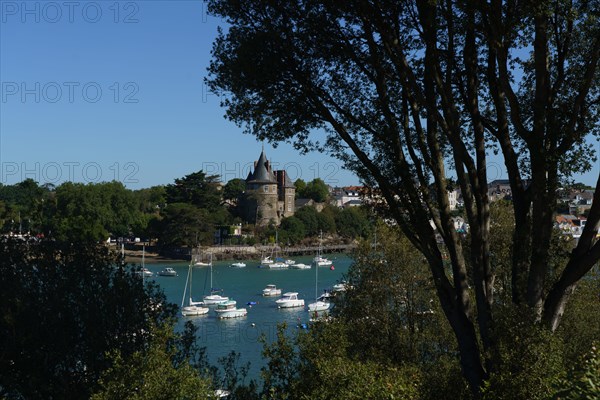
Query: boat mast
(143,264)
(187,279)
(316,281)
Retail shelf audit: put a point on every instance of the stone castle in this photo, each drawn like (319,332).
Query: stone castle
(270,195)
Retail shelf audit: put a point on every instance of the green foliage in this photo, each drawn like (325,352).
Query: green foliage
(300,186)
(329,371)
(234,189)
(308,216)
(93,212)
(502,230)
(316,190)
(193,211)
(327,217)
(151,200)
(281,370)
(443,379)
(184,224)
(25,201)
(353,222)
(62,308)
(583,381)
(197,189)
(390,283)
(404,92)
(527,359)
(580,326)
(292,229)
(343,378)
(150,374)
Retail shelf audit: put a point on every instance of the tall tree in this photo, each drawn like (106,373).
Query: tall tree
(316,190)
(405,89)
(63,306)
(198,189)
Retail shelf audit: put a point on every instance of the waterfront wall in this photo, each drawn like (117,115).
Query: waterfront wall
(241,252)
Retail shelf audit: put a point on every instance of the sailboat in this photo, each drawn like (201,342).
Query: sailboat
(193,307)
(278,263)
(145,272)
(214,297)
(319,260)
(200,263)
(321,303)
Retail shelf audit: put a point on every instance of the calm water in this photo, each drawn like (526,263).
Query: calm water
(245,285)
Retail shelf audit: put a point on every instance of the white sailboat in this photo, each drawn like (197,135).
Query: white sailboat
(320,303)
(145,272)
(277,264)
(198,260)
(214,297)
(194,307)
(319,260)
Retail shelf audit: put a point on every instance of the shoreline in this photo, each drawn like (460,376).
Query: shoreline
(233,253)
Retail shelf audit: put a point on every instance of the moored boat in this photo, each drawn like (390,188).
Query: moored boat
(214,297)
(167,271)
(145,273)
(271,290)
(340,287)
(300,266)
(193,308)
(278,265)
(319,260)
(228,309)
(238,265)
(289,300)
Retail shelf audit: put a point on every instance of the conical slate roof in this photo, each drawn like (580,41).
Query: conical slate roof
(288,182)
(261,172)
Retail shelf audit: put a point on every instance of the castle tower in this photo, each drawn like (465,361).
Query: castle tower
(270,195)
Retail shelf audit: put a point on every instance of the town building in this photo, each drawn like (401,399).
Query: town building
(269,195)
(349,196)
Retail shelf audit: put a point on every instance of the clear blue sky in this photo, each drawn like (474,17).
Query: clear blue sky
(95,91)
(154,120)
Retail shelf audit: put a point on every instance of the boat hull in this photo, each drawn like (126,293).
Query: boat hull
(300,266)
(191,311)
(271,293)
(236,313)
(290,303)
(319,306)
(214,299)
(278,265)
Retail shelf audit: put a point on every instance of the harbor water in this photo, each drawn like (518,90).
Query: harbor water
(245,285)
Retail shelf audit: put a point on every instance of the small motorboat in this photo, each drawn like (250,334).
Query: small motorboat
(228,309)
(300,266)
(271,290)
(289,300)
(167,271)
(145,273)
(238,265)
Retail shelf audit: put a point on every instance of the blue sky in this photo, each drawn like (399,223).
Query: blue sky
(95,91)
(103,90)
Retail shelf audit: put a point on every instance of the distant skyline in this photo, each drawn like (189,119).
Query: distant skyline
(96,91)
